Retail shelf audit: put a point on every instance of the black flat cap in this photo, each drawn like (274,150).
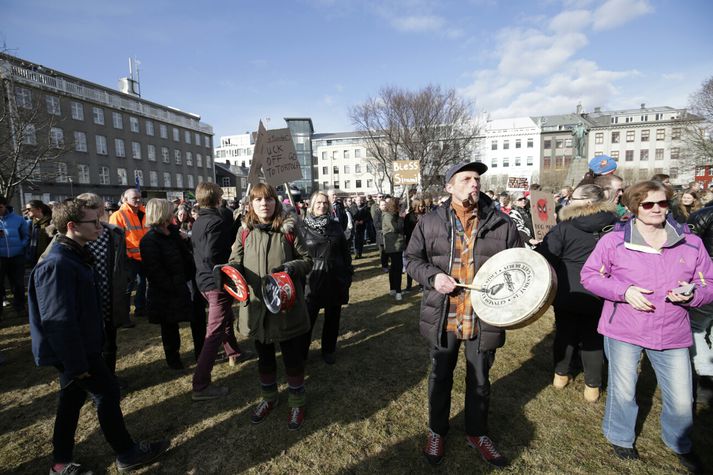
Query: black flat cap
(479,167)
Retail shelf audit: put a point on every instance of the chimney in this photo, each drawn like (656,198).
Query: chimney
(597,110)
(643,105)
(579,108)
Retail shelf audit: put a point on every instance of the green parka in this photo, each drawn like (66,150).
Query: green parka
(262,252)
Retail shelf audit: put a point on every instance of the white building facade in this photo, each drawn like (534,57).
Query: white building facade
(236,149)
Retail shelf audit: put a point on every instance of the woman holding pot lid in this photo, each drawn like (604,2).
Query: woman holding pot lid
(269,242)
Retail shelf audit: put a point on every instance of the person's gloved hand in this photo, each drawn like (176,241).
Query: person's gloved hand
(284,268)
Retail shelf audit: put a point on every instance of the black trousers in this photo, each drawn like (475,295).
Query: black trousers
(330,328)
(578,331)
(384,258)
(171,338)
(109,349)
(359,239)
(13,269)
(102,387)
(477,386)
(292,356)
(395,270)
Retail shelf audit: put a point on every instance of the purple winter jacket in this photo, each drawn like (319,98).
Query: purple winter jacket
(621,259)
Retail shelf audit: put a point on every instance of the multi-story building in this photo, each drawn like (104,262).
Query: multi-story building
(236,149)
(302,131)
(111,139)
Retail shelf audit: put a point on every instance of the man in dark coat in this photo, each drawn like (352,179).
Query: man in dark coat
(448,246)
(362,218)
(66,328)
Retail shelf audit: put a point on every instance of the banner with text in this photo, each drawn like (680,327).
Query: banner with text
(406,172)
(518,183)
(542,209)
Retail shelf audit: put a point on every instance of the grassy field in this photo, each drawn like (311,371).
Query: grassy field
(366,414)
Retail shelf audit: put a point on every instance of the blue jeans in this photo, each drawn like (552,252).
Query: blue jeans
(701,322)
(673,374)
(136,271)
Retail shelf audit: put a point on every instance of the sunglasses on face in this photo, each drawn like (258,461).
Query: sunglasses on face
(650,204)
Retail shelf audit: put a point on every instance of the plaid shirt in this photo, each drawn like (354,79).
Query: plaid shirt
(461,318)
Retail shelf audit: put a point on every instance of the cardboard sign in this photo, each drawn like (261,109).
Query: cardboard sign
(256,164)
(542,209)
(406,172)
(280,163)
(518,183)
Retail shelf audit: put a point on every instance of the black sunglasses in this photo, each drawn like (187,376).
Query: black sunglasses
(650,204)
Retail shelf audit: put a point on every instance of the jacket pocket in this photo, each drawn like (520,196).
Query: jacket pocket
(611,317)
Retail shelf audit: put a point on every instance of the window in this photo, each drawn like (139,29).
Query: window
(164,155)
(176,135)
(529,161)
(163,131)
(347,183)
(518,143)
(151,153)
(369,183)
(599,138)
(346,154)
(518,162)
(189,159)
(615,137)
(335,154)
(166,179)
(547,162)
(676,133)
(98,115)
(506,162)
(117,120)
(29,137)
(615,155)
(225,181)
(53,105)
(77,110)
(190,181)
(207,163)
(568,143)
(506,144)
(200,179)
(325,171)
(121,175)
(61,173)
(347,169)
(153,178)
(547,144)
(357,168)
(104,176)
(187,136)
(630,134)
(675,153)
(177,157)
(335,185)
(324,155)
(335,170)
(179,180)
(199,160)
(134,124)
(369,168)
(493,145)
(629,156)
(494,163)
(139,177)
(645,135)
(358,183)
(529,143)
(136,150)
(80,141)
(149,128)
(357,153)
(23,97)
(660,134)
(82,173)
(101,145)
(56,137)
(643,154)
(659,154)
(198,138)
(558,143)
(597,154)
(206,141)
(119,149)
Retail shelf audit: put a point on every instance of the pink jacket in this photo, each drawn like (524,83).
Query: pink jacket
(620,260)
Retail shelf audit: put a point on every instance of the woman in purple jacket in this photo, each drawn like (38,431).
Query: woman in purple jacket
(634,269)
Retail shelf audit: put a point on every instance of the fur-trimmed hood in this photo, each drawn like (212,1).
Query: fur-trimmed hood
(574,210)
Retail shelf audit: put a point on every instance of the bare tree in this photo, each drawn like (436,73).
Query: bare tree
(29,137)
(699,127)
(430,125)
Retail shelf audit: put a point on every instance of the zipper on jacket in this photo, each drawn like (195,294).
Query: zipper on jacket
(611,317)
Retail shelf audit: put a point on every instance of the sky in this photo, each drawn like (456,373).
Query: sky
(236,62)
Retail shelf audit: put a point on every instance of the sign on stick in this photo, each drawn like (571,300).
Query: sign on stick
(542,209)
(406,172)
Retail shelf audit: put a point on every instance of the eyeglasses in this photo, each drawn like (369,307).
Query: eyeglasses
(96,222)
(650,204)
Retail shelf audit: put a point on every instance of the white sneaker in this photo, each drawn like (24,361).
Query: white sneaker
(392,292)
(398,297)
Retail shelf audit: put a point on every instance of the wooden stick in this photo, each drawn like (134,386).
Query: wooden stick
(472,287)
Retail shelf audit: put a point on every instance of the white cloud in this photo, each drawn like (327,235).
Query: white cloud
(419,23)
(614,13)
(571,20)
(672,76)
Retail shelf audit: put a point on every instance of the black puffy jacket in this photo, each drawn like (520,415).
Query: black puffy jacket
(430,252)
(701,223)
(331,276)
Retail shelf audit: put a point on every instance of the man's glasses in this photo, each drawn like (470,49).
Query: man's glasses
(650,204)
(96,222)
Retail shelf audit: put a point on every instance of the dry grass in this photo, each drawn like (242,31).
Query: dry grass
(366,414)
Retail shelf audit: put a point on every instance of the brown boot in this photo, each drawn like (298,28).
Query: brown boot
(591,394)
(561,381)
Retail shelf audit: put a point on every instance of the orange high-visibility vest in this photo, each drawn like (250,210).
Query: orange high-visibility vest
(128,220)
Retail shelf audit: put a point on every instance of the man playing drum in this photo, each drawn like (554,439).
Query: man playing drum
(447,247)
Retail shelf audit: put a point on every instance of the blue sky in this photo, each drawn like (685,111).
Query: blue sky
(234,62)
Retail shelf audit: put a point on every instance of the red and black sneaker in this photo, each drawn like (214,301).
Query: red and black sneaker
(434,449)
(262,411)
(297,418)
(487,450)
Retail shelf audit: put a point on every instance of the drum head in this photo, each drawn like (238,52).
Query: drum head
(518,286)
(234,284)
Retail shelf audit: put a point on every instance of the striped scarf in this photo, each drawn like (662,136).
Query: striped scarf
(461,318)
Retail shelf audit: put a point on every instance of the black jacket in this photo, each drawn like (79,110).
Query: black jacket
(331,276)
(430,252)
(169,269)
(567,247)
(701,223)
(211,238)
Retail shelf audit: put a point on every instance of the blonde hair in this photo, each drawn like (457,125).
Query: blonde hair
(158,211)
(312,199)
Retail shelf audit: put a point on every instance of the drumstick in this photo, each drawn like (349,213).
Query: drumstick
(471,287)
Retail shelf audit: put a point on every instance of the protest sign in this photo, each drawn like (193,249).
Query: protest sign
(406,172)
(542,209)
(518,183)
(279,158)
(258,156)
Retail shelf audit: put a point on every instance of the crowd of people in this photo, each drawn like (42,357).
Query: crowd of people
(633,264)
